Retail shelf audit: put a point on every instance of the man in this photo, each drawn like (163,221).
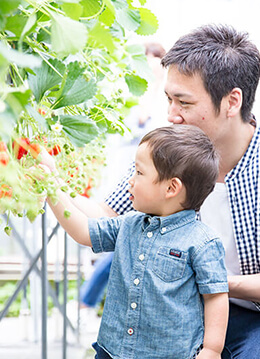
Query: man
(213,74)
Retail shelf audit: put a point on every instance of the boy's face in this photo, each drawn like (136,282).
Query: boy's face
(147,194)
(189,103)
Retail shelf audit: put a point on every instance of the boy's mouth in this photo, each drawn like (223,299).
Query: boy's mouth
(131,197)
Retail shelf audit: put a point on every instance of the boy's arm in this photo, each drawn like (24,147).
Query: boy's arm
(216,319)
(75,223)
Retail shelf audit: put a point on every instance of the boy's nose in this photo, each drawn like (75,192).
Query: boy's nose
(131,181)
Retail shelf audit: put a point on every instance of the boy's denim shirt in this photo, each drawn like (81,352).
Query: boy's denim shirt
(161,266)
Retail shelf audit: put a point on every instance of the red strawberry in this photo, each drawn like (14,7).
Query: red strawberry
(34,149)
(42,111)
(50,151)
(56,150)
(20,147)
(5,191)
(4,158)
(3,147)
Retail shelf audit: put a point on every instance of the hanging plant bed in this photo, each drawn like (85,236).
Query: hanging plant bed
(69,74)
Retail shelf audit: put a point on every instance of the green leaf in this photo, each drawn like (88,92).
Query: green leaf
(67,36)
(30,24)
(120,4)
(7,123)
(80,129)
(129,19)
(40,120)
(16,23)
(149,23)
(76,89)
(19,58)
(74,11)
(137,86)
(99,36)
(138,61)
(108,15)
(17,100)
(90,7)
(46,78)
(8,6)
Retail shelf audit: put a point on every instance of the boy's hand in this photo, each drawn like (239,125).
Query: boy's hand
(47,160)
(208,354)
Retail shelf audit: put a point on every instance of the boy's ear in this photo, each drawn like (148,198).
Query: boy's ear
(175,186)
(235,99)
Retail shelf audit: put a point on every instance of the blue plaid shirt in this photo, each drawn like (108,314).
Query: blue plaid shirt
(243,186)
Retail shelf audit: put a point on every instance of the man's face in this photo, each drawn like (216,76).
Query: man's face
(189,103)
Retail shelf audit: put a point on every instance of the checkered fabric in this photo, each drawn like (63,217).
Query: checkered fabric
(198,351)
(243,186)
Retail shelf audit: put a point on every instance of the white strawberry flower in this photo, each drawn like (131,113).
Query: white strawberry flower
(57,127)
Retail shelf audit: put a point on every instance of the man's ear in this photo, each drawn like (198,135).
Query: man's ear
(235,99)
(175,186)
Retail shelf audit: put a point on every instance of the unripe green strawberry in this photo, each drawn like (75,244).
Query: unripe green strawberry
(8,230)
(67,213)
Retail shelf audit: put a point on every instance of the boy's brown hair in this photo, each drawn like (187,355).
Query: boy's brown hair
(185,152)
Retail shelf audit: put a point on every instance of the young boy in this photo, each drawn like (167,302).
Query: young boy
(167,292)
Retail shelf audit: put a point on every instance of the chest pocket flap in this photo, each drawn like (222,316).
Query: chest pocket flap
(169,263)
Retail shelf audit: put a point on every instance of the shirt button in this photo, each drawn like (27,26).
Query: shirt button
(141,257)
(136,281)
(149,234)
(130,331)
(133,305)
(163,229)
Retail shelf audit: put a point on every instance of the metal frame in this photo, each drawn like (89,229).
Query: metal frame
(45,285)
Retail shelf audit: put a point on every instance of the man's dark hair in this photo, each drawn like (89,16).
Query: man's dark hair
(224,58)
(185,152)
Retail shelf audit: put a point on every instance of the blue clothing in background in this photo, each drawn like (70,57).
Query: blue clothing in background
(161,266)
(92,290)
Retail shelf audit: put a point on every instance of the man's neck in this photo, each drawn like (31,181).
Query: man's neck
(233,147)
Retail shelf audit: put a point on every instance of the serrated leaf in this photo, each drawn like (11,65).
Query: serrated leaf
(90,7)
(149,23)
(100,36)
(45,78)
(138,61)
(108,16)
(80,129)
(19,58)
(129,19)
(137,85)
(67,36)
(76,89)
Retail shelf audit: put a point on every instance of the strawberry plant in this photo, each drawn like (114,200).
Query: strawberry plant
(69,73)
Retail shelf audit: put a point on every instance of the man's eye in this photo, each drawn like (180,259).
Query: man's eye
(184,103)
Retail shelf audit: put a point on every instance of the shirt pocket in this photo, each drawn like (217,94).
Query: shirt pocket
(169,264)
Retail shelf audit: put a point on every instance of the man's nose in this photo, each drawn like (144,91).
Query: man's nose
(174,114)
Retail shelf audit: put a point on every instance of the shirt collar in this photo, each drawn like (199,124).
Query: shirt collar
(250,152)
(170,222)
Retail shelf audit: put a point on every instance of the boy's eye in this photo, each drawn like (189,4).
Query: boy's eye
(138,173)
